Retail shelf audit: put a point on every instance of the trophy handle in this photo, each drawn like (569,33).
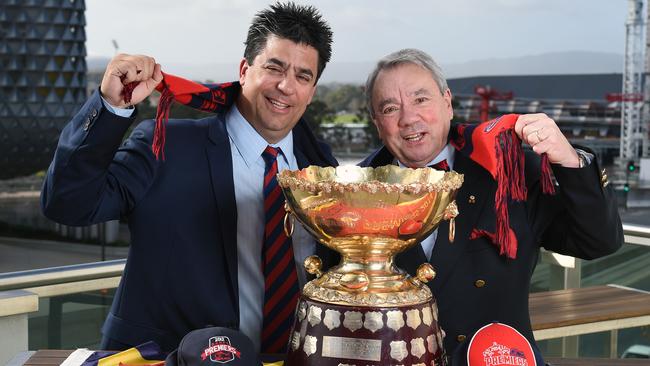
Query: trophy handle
(452,230)
(289,221)
(450,214)
(313,265)
(424,274)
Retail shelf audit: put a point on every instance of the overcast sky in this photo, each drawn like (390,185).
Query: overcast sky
(451,31)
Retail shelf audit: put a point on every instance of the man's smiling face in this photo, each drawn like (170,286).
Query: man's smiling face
(411,114)
(277,86)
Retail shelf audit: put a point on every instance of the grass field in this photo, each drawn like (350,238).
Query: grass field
(346,118)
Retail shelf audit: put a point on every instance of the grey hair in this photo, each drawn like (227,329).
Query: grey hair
(404,56)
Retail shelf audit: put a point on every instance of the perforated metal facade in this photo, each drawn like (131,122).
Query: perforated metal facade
(42,79)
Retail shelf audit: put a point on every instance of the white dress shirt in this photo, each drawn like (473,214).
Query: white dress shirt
(248,164)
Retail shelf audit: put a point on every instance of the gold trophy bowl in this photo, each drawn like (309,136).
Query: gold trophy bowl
(365,310)
(369,215)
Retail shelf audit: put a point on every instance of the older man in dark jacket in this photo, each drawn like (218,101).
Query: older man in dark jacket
(410,104)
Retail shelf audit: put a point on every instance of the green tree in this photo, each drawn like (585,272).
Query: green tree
(317,113)
(344,97)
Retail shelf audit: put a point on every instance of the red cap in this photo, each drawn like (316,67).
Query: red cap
(498,344)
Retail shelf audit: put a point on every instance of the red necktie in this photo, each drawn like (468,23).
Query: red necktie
(280,277)
(441,165)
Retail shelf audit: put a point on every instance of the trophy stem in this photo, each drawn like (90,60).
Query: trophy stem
(367,275)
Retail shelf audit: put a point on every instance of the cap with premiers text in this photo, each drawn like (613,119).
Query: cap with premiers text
(214,346)
(497,344)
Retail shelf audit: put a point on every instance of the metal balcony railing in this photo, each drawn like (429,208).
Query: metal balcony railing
(65,280)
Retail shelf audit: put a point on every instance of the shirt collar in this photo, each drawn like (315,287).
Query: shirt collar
(446,153)
(248,142)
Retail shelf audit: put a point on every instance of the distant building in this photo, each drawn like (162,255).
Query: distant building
(347,137)
(578,103)
(42,79)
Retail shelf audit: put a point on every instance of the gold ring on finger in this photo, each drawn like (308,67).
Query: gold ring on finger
(539,138)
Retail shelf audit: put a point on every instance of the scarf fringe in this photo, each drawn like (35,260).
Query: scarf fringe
(547,180)
(511,185)
(162,117)
(127,91)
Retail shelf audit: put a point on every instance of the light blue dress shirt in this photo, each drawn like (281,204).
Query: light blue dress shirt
(447,153)
(122,112)
(248,175)
(246,146)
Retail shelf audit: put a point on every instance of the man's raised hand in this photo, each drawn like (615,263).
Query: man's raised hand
(542,133)
(124,69)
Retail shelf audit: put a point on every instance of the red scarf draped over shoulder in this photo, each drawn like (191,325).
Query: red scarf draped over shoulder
(495,146)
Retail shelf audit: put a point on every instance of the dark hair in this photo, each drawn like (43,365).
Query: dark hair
(297,23)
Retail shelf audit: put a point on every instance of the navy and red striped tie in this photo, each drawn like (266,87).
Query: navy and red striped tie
(280,277)
(441,165)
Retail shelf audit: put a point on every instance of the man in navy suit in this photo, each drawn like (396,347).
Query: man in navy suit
(410,104)
(197,217)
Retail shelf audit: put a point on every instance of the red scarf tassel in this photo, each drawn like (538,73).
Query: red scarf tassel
(162,117)
(510,185)
(546,178)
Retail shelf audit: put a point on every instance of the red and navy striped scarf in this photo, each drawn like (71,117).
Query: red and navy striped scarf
(493,144)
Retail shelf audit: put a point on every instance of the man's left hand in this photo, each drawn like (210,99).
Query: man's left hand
(544,136)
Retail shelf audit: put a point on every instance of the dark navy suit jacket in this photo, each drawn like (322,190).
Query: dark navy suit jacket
(181,272)
(475,285)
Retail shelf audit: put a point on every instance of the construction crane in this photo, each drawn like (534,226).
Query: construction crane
(620,97)
(634,132)
(487,94)
(645,126)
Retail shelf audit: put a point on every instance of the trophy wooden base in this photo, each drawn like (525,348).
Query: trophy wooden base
(329,334)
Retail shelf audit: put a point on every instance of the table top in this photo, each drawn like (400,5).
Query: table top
(554,309)
(56,357)
(48,357)
(596,361)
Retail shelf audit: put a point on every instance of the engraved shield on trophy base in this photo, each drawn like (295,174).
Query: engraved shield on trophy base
(337,335)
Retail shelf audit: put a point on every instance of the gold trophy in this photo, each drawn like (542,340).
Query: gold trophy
(365,310)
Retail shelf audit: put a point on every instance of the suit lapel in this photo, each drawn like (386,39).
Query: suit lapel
(446,254)
(301,159)
(221,172)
